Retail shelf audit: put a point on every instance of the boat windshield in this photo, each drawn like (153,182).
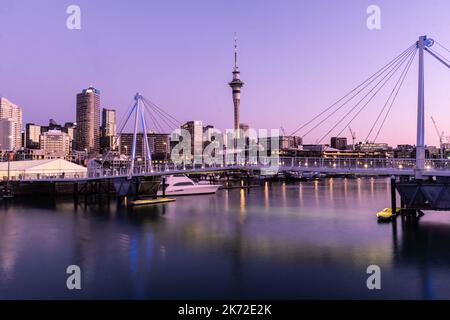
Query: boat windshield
(187,183)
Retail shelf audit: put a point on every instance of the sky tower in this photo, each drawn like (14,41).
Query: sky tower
(236,85)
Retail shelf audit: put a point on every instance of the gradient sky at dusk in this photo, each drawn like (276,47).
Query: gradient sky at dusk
(296,57)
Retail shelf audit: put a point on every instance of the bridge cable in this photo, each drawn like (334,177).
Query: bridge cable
(438,54)
(390,68)
(371,98)
(376,75)
(441,45)
(388,76)
(162,111)
(395,97)
(166,120)
(400,79)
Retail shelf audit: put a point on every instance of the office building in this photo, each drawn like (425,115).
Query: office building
(88,121)
(32,136)
(11,132)
(55,144)
(195,129)
(159,144)
(339,143)
(108,141)
(6,134)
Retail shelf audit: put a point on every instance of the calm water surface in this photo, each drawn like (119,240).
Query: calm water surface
(295,241)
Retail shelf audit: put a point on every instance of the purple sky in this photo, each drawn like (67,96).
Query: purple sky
(296,57)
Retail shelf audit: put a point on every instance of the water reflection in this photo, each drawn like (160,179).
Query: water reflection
(282,240)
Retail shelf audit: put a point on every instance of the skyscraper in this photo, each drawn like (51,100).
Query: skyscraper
(236,85)
(32,134)
(11,128)
(108,141)
(88,120)
(195,129)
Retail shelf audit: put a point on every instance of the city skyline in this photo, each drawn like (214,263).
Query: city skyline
(290,67)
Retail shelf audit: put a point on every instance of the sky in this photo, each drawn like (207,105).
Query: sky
(296,58)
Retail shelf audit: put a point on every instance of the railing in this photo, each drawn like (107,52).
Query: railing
(45,174)
(369,165)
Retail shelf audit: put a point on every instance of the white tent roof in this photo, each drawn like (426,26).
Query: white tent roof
(59,165)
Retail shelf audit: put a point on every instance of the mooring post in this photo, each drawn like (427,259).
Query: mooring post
(164,187)
(393,196)
(136,194)
(248,180)
(108,190)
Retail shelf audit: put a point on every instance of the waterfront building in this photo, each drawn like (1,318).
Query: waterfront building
(55,144)
(236,85)
(88,121)
(369,147)
(29,154)
(108,141)
(195,129)
(159,144)
(32,135)
(35,169)
(339,143)
(11,125)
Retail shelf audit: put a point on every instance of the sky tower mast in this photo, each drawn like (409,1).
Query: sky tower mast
(236,85)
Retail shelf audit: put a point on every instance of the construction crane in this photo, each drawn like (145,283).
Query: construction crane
(441,138)
(353,135)
(283,131)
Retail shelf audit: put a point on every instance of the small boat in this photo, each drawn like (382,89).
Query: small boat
(387,215)
(180,185)
(142,202)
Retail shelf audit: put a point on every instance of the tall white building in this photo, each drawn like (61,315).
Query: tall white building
(195,128)
(12,132)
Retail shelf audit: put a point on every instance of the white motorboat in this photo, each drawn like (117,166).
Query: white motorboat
(180,185)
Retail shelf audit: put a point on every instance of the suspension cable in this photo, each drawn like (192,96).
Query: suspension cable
(395,97)
(388,76)
(163,118)
(371,79)
(402,75)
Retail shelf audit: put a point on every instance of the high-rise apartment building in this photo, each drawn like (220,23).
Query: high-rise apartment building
(108,141)
(12,113)
(195,129)
(88,121)
(32,135)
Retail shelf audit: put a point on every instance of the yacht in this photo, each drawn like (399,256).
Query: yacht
(180,185)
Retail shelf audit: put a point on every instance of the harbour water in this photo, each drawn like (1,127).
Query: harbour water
(280,241)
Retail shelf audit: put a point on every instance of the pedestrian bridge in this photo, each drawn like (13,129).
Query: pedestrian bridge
(341,166)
